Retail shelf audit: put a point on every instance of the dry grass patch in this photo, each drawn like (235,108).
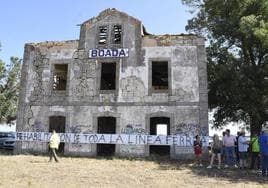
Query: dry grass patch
(35,171)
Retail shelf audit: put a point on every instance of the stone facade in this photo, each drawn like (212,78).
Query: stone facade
(133,102)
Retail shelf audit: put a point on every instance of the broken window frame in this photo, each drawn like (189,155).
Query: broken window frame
(102,35)
(114,33)
(59,78)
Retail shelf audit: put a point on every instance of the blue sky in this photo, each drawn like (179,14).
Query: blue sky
(25,21)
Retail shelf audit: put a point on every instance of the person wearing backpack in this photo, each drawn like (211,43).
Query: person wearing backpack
(255,151)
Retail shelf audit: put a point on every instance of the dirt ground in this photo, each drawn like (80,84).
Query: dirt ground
(36,171)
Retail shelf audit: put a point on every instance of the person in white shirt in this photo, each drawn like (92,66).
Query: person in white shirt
(242,149)
(229,146)
(54,143)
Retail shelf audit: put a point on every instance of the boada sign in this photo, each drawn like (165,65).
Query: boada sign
(106,53)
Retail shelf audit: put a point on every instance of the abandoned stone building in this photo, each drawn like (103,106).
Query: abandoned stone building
(116,78)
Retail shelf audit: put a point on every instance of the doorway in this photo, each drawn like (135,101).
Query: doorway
(106,125)
(57,123)
(159,126)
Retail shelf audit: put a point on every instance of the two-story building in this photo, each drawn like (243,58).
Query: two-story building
(116,79)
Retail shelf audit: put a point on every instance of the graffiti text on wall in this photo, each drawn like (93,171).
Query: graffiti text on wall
(133,129)
(81,129)
(187,129)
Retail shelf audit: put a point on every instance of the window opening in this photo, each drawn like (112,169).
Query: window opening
(60,76)
(103,34)
(161,129)
(108,75)
(160,75)
(117,32)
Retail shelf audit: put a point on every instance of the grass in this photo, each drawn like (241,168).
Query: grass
(36,171)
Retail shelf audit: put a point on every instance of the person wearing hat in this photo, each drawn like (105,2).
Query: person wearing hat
(263,143)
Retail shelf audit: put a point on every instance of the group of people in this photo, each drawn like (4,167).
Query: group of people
(235,150)
(224,150)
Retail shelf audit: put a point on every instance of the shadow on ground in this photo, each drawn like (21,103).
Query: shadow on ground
(165,163)
(229,174)
(6,152)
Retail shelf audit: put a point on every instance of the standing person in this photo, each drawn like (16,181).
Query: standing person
(223,156)
(236,146)
(216,151)
(229,147)
(255,151)
(242,149)
(54,143)
(263,142)
(198,150)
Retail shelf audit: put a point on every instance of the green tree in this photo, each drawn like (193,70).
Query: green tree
(237,38)
(9,89)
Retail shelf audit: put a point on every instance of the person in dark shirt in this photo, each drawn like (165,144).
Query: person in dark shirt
(223,155)
(238,134)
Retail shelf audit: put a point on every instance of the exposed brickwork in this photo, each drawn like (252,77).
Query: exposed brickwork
(133,102)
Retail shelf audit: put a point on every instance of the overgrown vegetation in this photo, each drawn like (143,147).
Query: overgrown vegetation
(237,52)
(9,89)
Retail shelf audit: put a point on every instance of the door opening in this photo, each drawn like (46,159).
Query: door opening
(159,126)
(57,123)
(106,125)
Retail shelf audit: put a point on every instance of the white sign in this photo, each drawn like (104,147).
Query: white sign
(129,139)
(102,53)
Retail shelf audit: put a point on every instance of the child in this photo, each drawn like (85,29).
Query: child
(198,150)
(216,151)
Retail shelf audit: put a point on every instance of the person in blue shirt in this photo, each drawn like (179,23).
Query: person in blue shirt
(263,142)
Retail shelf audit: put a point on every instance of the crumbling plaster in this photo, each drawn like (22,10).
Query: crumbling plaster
(132,103)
